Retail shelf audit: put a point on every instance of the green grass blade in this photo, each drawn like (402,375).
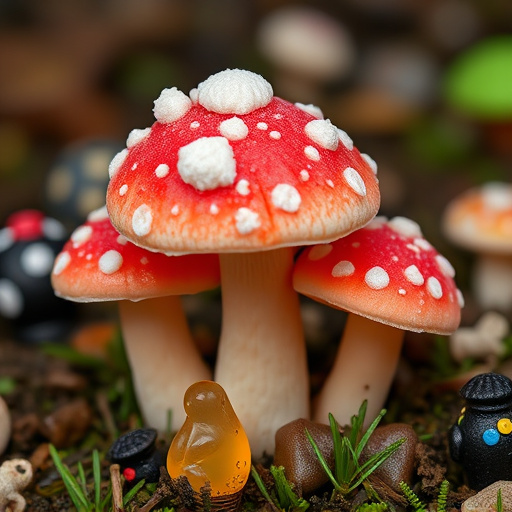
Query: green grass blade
(369,432)
(96,471)
(356,423)
(287,498)
(82,481)
(323,462)
(72,486)
(261,486)
(132,492)
(107,500)
(341,461)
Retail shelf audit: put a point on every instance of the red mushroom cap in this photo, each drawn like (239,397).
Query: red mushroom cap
(236,169)
(99,264)
(386,272)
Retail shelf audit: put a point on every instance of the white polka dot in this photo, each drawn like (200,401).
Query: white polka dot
(234,91)
(110,262)
(401,291)
(37,260)
(162,170)
(329,183)
(413,248)
(81,235)
(370,161)
(346,140)
(323,133)
(117,162)
(142,220)
(286,198)
(262,126)
(405,227)
(135,136)
(434,288)
(423,244)
(312,153)
(11,299)
(413,275)
(234,129)
(194,94)
(207,163)
(98,215)
(354,180)
(242,187)
(175,209)
(144,260)
(214,209)
(123,189)
(274,135)
(343,268)
(304,175)
(376,278)
(445,266)
(246,221)
(134,166)
(122,240)
(319,251)
(194,125)
(61,262)
(311,109)
(460,298)
(171,105)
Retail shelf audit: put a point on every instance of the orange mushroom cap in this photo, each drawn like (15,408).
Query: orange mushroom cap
(99,264)
(233,168)
(386,272)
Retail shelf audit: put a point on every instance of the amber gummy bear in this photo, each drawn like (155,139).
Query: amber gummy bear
(212,445)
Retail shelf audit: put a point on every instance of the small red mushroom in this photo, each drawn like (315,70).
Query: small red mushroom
(236,171)
(99,264)
(390,279)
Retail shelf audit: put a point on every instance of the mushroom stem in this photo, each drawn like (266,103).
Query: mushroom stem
(261,362)
(363,369)
(492,281)
(163,356)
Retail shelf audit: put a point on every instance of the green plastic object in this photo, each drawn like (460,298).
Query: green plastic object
(479,82)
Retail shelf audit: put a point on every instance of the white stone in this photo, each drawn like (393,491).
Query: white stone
(207,163)
(142,219)
(286,197)
(171,105)
(323,133)
(234,129)
(234,91)
(110,262)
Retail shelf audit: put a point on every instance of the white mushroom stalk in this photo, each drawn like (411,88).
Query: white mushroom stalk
(5,425)
(389,279)
(233,170)
(98,264)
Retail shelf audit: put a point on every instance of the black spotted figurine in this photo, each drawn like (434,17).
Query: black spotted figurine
(137,455)
(481,440)
(29,243)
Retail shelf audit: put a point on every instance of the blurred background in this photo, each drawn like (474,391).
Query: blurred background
(423,87)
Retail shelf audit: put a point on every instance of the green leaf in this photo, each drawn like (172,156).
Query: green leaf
(97,478)
(261,486)
(133,491)
(322,461)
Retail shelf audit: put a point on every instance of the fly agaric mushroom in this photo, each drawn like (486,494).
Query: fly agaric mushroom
(389,279)
(234,170)
(99,264)
(480,219)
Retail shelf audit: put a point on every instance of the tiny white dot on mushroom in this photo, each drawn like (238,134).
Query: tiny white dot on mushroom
(329,183)
(175,209)
(123,189)
(278,116)
(401,291)
(311,109)
(117,162)
(214,209)
(434,287)
(323,133)
(286,197)
(246,221)
(274,135)
(355,245)
(81,254)
(234,129)
(413,248)
(304,175)
(110,262)
(144,260)
(460,298)
(262,126)
(354,180)
(162,170)
(61,262)
(122,240)
(142,219)
(319,251)
(242,187)
(370,161)
(405,227)
(445,266)
(423,244)
(312,153)
(413,275)
(376,278)
(394,258)
(88,257)
(171,105)
(343,268)
(136,136)
(81,235)
(195,124)
(134,166)
(345,139)
(422,302)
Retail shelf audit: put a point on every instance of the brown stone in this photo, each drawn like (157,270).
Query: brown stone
(295,453)
(400,465)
